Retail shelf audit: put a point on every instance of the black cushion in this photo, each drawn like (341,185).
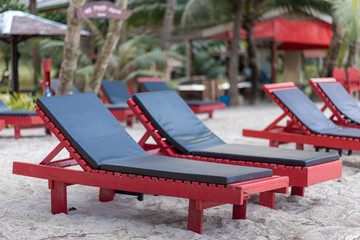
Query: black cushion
(309,115)
(104,144)
(175,121)
(115,91)
(187,170)
(54,83)
(179,125)
(6,111)
(202,103)
(117,106)
(342,100)
(90,127)
(261,154)
(155,86)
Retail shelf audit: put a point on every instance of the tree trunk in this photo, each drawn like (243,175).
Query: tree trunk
(168,25)
(234,56)
(333,50)
(353,54)
(71,49)
(36,60)
(249,23)
(103,58)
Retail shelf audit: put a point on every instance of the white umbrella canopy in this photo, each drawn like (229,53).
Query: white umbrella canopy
(16,26)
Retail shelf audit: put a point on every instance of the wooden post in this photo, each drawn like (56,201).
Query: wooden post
(273,62)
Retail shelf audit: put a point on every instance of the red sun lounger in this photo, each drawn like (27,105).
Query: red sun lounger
(340,75)
(111,160)
(306,123)
(178,133)
(345,111)
(19,119)
(115,94)
(198,106)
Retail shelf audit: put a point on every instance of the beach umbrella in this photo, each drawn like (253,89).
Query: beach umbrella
(17,26)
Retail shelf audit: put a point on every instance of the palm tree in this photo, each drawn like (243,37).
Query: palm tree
(350,24)
(72,44)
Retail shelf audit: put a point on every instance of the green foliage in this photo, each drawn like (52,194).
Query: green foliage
(57,16)
(19,101)
(345,13)
(6,5)
(140,56)
(204,61)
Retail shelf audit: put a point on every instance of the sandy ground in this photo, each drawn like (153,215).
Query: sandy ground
(330,210)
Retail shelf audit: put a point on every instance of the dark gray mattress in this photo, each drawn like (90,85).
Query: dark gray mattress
(99,138)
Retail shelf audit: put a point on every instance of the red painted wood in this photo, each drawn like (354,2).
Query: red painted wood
(300,191)
(106,195)
(195,217)
(58,197)
(239,211)
(267,199)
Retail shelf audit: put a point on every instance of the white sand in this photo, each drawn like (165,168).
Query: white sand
(329,210)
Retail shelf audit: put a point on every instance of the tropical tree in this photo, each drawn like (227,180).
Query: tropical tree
(106,51)
(72,44)
(210,12)
(168,24)
(139,57)
(350,24)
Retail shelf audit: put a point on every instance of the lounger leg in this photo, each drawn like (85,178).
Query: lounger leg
(239,211)
(273,143)
(300,191)
(106,195)
(267,199)
(17,132)
(58,197)
(129,121)
(211,114)
(195,217)
(299,146)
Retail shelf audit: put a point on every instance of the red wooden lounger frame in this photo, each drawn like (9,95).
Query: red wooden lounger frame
(295,131)
(336,116)
(340,75)
(21,122)
(299,177)
(201,195)
(120,114)
(209,109)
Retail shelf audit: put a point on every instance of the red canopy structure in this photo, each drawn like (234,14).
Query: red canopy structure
(291,34)
(285,33)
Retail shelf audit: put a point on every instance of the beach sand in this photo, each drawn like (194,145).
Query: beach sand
(329,210)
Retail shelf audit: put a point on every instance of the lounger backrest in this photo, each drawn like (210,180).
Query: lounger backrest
(3,106)
(176,121)
(115,91)
(304,110)
(353,78)
(90,128)
(340,76)
(155,86)
(54,83)
(341,99)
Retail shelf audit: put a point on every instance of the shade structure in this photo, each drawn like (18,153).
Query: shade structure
(290,34)
(16,26)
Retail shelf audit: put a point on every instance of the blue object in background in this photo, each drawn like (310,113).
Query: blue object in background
(225,99)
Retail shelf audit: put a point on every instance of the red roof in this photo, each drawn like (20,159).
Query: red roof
(292,34)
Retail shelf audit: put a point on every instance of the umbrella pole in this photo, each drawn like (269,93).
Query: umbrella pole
(14,65)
